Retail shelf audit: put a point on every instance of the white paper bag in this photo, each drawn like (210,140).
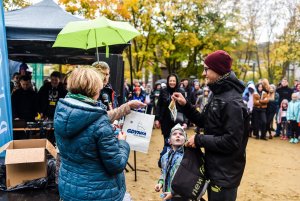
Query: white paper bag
(138,127)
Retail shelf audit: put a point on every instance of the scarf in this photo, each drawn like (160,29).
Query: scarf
(82,98)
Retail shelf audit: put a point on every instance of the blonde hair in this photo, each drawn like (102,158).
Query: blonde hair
(85,81)
(101,66)
(272,95)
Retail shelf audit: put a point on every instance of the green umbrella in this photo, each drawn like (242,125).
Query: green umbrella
(95,33)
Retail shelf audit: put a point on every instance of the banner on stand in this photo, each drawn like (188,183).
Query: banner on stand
(5,104)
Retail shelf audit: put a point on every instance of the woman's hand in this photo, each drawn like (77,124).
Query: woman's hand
(122,136)
(178,97)
(157,124)
(158,187)
(135,104)
(191,142)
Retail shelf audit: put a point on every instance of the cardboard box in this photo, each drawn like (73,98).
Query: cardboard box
(26,160)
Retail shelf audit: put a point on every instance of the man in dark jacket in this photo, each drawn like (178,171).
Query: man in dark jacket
(225,123)
(107,94)
(24,101)
(49,95)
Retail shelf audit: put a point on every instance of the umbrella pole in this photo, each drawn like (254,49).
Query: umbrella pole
(97,54)
(96,46)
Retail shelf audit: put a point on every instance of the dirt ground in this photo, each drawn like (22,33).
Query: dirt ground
(272,171)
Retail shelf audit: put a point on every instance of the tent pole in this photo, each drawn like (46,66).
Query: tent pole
(135,175)
(130,64)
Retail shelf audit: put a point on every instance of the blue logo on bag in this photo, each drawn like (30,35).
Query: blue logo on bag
(136,132)
(140,131)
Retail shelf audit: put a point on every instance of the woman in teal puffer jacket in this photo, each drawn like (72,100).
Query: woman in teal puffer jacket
(92,157)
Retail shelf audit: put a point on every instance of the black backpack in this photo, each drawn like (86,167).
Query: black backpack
(189,181)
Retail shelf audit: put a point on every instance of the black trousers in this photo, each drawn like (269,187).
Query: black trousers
(259,122)
(270,118)
(294,128)
(216,193)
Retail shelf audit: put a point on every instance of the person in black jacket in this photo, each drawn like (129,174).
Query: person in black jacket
(163,118)
(49,94)
(272,108)
(284,93)
(225,121)
(24,101)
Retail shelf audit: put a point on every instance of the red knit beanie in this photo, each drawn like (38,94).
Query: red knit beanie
(219,61)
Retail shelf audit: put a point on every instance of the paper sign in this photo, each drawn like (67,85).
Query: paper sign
(138,127)
(173,109)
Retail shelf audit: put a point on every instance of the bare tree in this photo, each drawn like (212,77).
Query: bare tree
(252,14)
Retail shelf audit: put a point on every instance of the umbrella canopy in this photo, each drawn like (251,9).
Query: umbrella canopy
(95,33)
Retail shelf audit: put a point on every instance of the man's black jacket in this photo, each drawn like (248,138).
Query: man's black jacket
(224,138)
(48,98)
(24,104)
(284,93)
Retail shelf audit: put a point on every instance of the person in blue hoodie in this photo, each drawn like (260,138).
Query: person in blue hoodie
(93,158)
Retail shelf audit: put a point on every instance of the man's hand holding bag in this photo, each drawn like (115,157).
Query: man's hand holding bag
(190,181)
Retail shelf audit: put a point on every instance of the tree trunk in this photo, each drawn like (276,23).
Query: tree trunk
(258,63)
(268,63)
(285,66)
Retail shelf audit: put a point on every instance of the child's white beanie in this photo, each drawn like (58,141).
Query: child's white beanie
(178,127)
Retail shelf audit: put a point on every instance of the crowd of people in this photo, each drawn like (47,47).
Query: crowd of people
(28,102)
(274,109)
(270,104)
(93,156)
